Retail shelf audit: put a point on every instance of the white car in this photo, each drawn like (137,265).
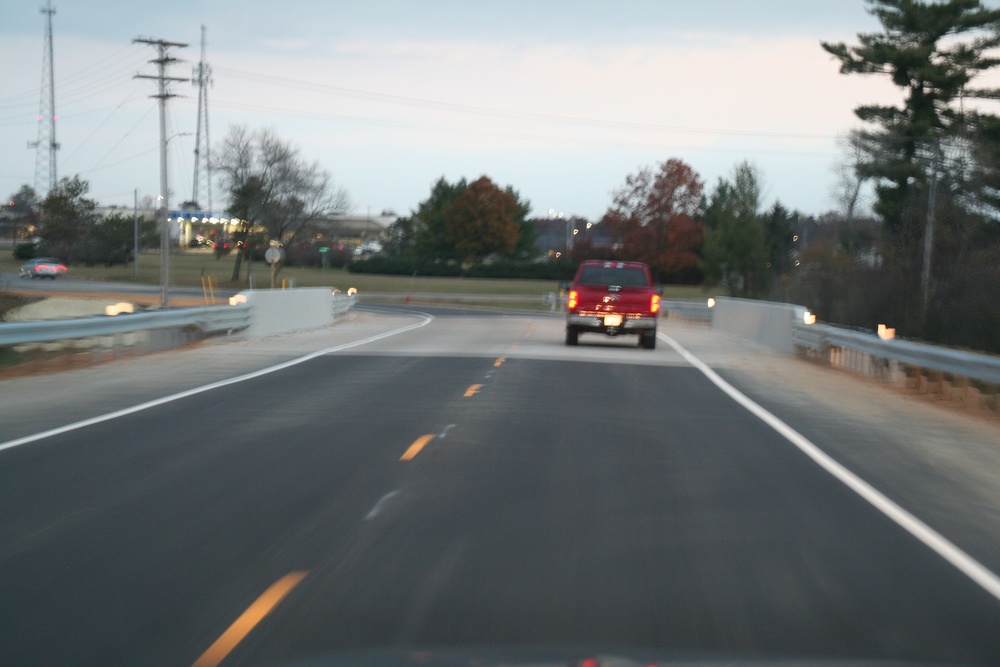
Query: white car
(42,267)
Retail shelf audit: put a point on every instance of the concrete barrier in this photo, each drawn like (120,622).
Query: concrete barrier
(280,311)
(763,322)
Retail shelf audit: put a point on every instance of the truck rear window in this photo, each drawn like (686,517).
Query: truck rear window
(605,275)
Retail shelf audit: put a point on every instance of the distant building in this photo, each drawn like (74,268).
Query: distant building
(355,230)
(557,236)
(187,227)
(17,222)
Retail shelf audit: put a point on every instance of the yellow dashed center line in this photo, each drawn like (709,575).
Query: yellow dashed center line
(415,448)
(254,614)
(499,362)
(471,391)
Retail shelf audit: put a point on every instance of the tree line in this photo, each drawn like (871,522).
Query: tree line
(929,266)
(67,225)
(934,163)
(661,215)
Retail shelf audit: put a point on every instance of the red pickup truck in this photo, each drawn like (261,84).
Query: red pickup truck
(613,298)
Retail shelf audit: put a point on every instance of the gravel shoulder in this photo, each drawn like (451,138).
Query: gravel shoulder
(39,401)
(937,460)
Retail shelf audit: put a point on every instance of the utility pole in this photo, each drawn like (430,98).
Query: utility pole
(46,145)
(162,61)
(925,269)
(202,190)
(135,232)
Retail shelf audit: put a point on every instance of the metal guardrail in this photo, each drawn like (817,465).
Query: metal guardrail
(692,310)
(458,297)
(342,303)
(209,319)
(821,339)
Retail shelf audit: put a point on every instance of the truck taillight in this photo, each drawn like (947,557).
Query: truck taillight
(654,303)
(573,300)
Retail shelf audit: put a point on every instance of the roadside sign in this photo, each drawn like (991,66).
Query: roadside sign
(273,255)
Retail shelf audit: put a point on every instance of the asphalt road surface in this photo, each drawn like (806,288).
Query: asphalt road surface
(466,480)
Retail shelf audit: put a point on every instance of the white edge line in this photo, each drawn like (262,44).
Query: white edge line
(10,444)
(969,566)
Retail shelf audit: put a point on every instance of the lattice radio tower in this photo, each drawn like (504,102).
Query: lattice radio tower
(46,145)
(201,192)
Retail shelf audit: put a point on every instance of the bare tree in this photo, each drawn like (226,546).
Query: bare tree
(848,192)
(848,187)
(273,191)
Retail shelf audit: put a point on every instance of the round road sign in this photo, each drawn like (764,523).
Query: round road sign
(273,255)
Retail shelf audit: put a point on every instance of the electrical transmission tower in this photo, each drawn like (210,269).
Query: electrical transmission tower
(201,192)
(46,145)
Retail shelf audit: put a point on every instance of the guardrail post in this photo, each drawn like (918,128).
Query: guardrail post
(935,382)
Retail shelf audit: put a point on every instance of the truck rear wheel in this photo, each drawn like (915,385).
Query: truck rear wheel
(572,335)
(648,340)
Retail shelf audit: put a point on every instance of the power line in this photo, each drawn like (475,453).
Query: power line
(118,143)
(77,78)
(118,162)
(501,134)
(490,111)
(102,124)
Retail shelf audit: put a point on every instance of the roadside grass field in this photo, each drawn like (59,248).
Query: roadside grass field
(189,268)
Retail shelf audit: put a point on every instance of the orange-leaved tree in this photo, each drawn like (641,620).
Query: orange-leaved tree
(484,220)
(652,218)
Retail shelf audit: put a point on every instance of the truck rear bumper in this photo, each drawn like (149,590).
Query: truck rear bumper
(628,325)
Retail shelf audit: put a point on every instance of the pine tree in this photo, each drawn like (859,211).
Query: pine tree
(933,51)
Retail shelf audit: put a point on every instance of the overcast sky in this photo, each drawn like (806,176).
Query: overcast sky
(560,99)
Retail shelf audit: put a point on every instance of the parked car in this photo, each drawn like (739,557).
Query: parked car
(42,267)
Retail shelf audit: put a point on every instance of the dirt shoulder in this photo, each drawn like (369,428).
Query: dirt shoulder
(45,358)
(938,460)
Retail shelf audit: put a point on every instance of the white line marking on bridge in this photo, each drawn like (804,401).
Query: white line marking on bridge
(10,444)
(965,563)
